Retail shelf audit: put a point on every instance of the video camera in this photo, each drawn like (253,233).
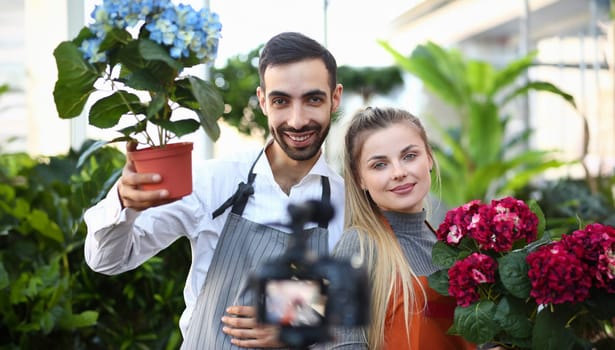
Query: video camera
(305,294)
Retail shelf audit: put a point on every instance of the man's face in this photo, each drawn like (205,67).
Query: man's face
(298,104)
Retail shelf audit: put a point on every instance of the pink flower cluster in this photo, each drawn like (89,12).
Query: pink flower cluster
(564,271)
(465,276)
(493,226)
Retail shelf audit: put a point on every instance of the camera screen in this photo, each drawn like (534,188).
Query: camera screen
(294,303)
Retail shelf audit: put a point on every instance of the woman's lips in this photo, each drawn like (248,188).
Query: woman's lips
(402,189)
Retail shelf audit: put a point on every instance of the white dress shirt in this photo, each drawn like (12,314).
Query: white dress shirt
(121,240)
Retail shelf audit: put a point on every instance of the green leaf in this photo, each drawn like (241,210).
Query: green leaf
(550,332)
(75,81)
(513,273)
(211,105)
(475,322)
(4,277)
(95,146)
(541,86)
(106,112)
(438,281)
(158,102)
(73,321)
(514,321)
(511,72)
(40,221)
(537,210)
(179,127)
(142,79)
(444,255)
(423,64)
(480,76)
(152,51)
(484,147)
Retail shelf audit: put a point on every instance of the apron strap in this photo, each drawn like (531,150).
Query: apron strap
(325,197)
(239,199)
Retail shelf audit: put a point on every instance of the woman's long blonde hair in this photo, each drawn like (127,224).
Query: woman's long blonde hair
(388,272)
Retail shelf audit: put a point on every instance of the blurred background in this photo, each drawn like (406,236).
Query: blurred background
(574,39)
(516,95)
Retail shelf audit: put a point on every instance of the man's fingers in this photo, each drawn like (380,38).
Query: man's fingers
(133,196)
(259,337)
(242,311)
(239,322)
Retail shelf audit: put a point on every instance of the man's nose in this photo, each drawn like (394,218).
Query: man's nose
(298,118)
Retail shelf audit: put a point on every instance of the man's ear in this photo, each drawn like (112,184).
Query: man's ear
(260,94)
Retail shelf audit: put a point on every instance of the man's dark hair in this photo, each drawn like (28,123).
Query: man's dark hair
(290,47)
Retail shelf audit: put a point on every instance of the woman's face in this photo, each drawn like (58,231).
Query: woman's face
(394,167)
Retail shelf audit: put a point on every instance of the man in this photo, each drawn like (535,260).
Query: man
(298,93)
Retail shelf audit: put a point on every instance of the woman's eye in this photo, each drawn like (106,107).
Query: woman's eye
(379,165)
(410,156)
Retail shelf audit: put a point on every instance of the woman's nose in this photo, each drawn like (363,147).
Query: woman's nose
(399,171)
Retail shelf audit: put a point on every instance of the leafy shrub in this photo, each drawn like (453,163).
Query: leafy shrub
(49,298)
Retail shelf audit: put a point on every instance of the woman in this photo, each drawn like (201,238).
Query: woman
(387,169)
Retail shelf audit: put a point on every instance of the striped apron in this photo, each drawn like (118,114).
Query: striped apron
(242,247)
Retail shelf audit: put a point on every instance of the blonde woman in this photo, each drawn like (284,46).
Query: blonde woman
(387,171)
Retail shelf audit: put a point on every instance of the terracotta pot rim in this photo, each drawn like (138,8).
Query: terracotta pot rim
(168,150)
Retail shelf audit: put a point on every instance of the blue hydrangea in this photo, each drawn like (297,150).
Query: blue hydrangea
(180,29)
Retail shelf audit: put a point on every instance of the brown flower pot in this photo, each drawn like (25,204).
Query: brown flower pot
(174,164)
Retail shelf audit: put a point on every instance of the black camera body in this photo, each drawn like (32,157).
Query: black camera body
(306,294)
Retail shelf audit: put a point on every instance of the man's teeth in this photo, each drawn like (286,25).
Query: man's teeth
(299,138)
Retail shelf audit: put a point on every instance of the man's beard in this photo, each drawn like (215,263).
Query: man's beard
(305,153)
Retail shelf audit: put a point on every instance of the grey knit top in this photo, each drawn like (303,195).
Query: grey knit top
(416,241)
(414,237)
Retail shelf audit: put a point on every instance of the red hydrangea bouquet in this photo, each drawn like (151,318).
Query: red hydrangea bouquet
(520,288)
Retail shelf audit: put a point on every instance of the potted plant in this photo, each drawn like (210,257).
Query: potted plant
(135,53)
(520,286)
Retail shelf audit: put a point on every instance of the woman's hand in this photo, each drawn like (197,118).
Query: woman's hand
(241,324)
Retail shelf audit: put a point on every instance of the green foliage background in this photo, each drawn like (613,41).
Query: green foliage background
(49,298)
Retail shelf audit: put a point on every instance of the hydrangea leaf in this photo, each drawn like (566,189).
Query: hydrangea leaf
(550,332)
(106,112)
(141,79)
(179,127)
(444,255)
(75,80)
(513,271)
(152,51)
(535,208)
(211,105)
(438,281)
(601,304)
(511,317)
(475,322)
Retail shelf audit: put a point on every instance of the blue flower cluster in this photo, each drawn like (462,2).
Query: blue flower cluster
(181,29)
